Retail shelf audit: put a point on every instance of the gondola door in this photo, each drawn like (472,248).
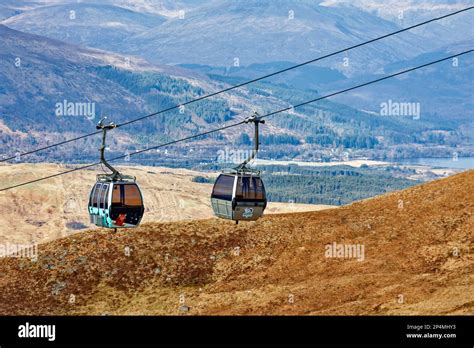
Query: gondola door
(222,194)
(249,198)
(98,204)
(126,207)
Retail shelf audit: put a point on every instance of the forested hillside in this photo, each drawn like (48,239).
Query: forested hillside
(335,185)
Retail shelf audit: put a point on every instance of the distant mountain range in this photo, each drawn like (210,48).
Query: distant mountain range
(217,33)
(115,57)
(94,25)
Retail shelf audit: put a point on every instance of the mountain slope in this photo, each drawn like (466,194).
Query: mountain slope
(445,91)
(216,32)
(96,25)
(418,260)
(415,11)
(42,73)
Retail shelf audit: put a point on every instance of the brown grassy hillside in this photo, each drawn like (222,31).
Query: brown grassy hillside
(418,260)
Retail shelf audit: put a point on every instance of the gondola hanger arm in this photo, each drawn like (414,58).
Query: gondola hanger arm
(256,120)
(105,127)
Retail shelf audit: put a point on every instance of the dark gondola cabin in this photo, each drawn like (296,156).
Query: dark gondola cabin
(239,197)
(239,194)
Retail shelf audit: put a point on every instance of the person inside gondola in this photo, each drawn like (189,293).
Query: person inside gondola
(120,220)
